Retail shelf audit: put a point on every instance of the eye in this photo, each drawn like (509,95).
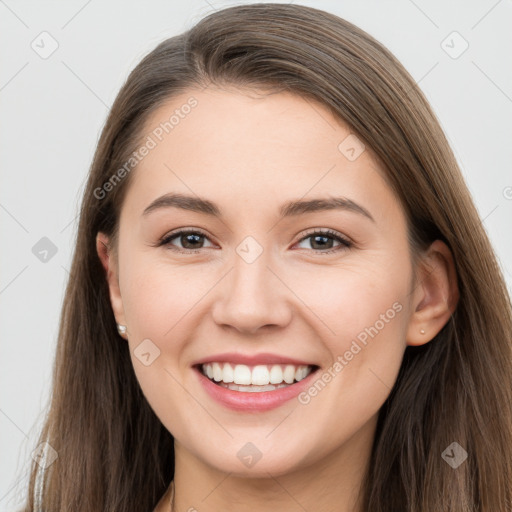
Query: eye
(190,240)
(323,240)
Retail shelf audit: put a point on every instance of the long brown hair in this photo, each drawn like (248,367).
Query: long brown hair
(115,454)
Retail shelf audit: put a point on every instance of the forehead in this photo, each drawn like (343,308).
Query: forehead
(245,123)
(251,149)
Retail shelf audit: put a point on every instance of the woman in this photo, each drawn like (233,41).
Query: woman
(281,296)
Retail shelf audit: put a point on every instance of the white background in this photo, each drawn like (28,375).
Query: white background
(53,109)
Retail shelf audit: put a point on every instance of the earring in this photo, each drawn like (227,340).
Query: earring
(121,329)
(422,331)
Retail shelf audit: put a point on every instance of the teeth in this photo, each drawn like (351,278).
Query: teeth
(242,374)
(217,372)
(228,375)
(256,376)
(290,373)
(276,375)
(260,375)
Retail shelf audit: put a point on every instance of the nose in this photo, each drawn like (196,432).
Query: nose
(252,296)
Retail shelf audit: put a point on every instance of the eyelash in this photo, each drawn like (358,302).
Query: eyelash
(345,243)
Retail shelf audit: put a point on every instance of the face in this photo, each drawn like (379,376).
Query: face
(260,284)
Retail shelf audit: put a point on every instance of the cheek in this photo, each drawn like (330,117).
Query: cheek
(156,296)
(158,302)
(346,301)
(362,318)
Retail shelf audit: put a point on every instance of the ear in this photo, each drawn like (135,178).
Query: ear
(104,251)
(435,296)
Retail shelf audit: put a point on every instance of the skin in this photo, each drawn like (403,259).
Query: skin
(249,153)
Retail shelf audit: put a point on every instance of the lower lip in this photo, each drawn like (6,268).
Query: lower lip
(253,401)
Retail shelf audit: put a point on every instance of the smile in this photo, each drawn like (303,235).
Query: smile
(254,388)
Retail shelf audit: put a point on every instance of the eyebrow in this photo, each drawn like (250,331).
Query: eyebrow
(289,209)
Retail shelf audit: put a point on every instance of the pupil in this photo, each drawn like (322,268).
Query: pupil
(187,238)
(324,238)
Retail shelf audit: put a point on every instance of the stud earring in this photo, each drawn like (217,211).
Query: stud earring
(121,329)
(422,331)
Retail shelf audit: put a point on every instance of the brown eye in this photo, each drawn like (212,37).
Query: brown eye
(322,241)
(189,240)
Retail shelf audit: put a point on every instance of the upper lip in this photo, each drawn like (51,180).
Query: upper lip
(252,360)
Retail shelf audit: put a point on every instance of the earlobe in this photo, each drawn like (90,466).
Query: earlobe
(435,296)
(109,264)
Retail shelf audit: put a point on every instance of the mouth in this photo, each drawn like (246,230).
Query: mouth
(255,378)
